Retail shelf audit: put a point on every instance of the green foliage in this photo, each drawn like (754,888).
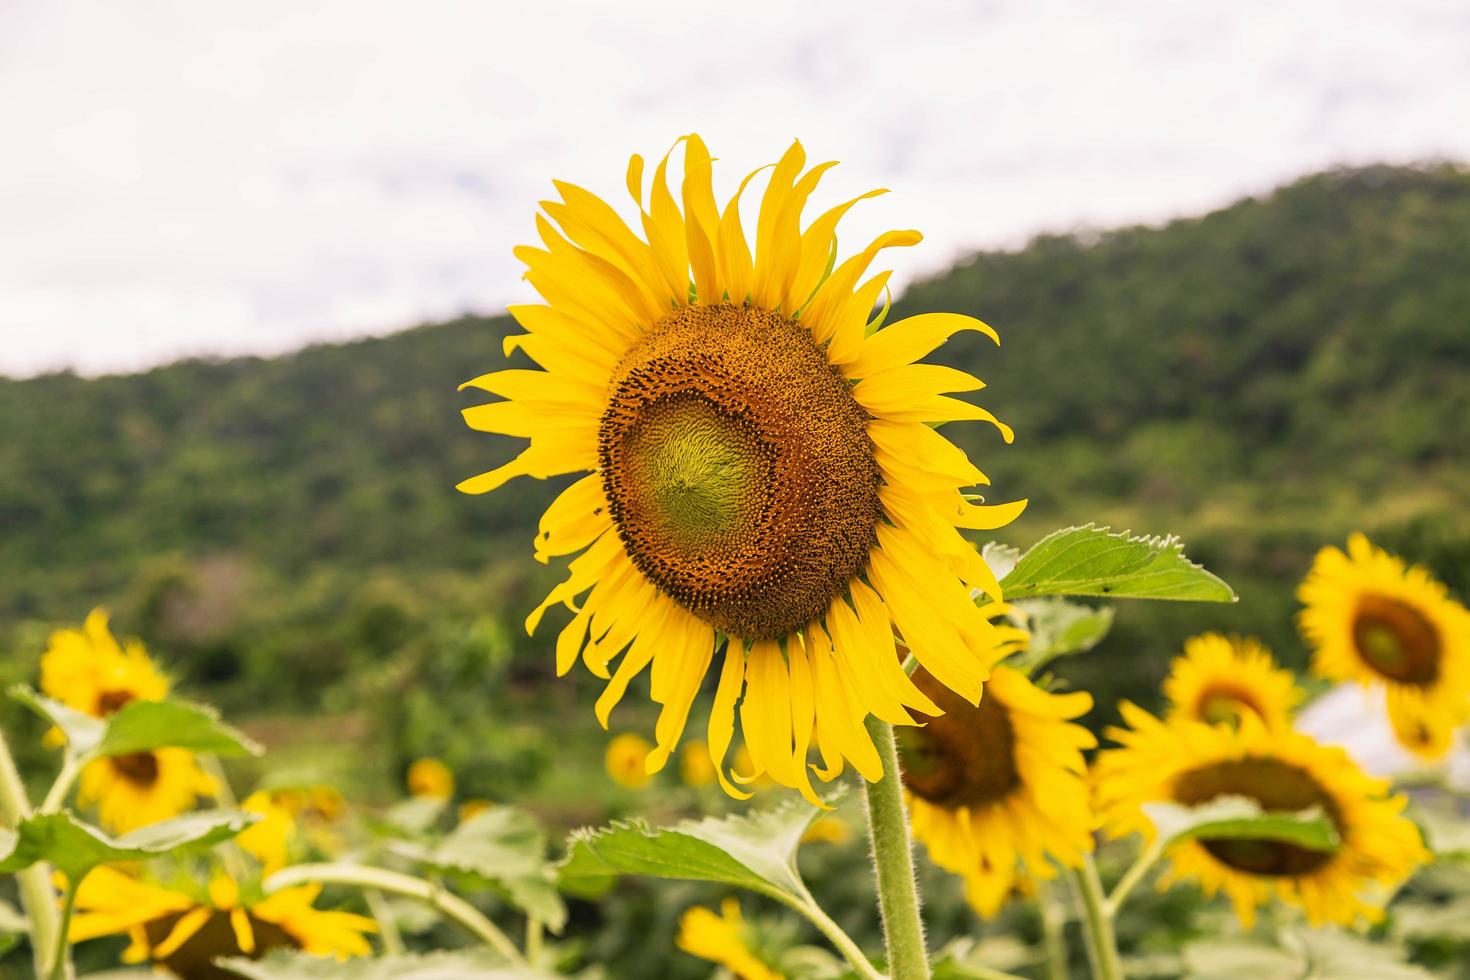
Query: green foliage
(1319,955)
(75,848)
(1241,818)
(755,851)
(1091,561)
(144,725)
(83,732)
(458,965)
(1058,629)
(501,849)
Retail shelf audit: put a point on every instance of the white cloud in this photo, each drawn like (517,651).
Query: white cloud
(186,178)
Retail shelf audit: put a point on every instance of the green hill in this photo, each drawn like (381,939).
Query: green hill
(1262,380)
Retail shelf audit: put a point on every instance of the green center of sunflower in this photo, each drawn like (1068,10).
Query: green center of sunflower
(1396,640)
(738,469)
(1278,787)
(964,757)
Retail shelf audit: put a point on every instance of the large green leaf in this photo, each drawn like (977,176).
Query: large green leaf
(501,847)
(1058,628)
(1094,561)
(1241,818)
(141,726)
(75,848)
(82,731)
(1325,954)
(755,851)
(456,965)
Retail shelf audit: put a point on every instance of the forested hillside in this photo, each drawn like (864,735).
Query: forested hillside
(1260,380)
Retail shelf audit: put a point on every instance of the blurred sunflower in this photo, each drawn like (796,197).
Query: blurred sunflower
(765,474)
(268,839)
(1001,786)
(89,671)
(695,767)
(722,939)
(1220,677)
(431,778)
(625,758)
(1374,620)
(184,932)
(1284,771)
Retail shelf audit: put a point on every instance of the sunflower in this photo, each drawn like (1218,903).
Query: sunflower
(88,670)
(1374,620)
(185,932)
(1001,786)
(1220,677)
(625,758)
(766,492)
(695,768)
(1191,763)
(722,939)
(430,778)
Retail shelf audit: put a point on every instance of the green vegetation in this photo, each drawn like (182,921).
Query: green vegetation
(285,534)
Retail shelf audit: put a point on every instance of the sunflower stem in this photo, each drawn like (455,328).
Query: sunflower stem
(61,959)
(1053,930)
(71,767)
(224,795)
(387,924)
(535,932)
(893,861)
(36,894)
(1102,944)
(1147,858)
(446,903)
(807,906)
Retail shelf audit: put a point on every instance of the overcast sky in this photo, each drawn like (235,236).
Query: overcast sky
(208,178)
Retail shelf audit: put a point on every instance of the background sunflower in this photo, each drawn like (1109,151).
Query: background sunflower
(999,790)
(1191,763)
(1373,619)
(1219,677)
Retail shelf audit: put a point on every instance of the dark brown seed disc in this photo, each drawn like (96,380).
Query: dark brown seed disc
(1396,640)
(194,959)
(1278,787)
(738,469)
(964,757)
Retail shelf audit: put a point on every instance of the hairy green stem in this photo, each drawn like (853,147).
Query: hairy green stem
(1147,858)
(1053,930)
(387,924)
(807,906)
(1102,945)
(61,959)
(36,893)
(893,861)
(71,767)
(451,906)
(535,933)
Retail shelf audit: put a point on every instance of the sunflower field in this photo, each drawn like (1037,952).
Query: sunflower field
(814,715)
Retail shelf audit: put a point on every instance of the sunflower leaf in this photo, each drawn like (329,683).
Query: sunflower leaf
(755,851)
(1323,954)
(1241,818)
(141,726)
(1094,561)
(1058,628)
(82,731)
(500,848)
(75,848)
(456,965)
